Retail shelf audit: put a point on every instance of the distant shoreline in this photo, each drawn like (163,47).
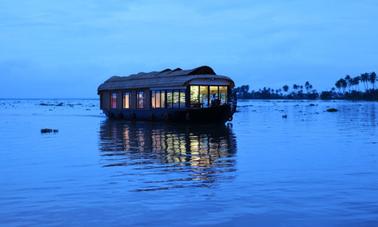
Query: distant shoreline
(49,98)
(318,99)
(348,88)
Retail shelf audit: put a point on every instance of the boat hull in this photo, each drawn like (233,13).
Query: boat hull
(219,114)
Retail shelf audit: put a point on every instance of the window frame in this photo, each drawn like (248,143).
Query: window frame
(163,99)
(207,99)
(226,94)
(169,101)
(155,96)
(153,99)
(113,97)
(198,99)
(124,94)
(182,104)
(138,98)
(176,95)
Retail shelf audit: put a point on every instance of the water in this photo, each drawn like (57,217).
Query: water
(312,168)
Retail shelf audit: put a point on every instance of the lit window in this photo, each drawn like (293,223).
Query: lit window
(214,99)
(204,96)
(126,100)
(162,99)
(194,96)
(153,99)
(182,99)
(140,99)
(113,101)
(223,94)
(176,99)
(169,99)
(213,92)
(156,99)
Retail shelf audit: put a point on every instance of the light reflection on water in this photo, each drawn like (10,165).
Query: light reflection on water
(169,156)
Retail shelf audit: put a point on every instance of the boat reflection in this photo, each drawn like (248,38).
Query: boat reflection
(165,156)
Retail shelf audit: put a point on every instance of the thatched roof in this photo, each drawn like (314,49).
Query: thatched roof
(165,78)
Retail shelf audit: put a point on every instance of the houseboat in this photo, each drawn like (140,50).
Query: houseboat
(195,95)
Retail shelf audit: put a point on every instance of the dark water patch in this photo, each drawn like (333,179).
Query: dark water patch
(332,110)
(49,130)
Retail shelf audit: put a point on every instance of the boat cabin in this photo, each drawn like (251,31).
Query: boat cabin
(175,95)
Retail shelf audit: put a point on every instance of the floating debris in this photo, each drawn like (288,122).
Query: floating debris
(49,130)
(284,116)
(51,104)
(331,110)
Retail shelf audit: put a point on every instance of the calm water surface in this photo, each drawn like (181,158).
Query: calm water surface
(312,168)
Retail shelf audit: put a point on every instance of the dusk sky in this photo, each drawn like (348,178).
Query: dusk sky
(65,49)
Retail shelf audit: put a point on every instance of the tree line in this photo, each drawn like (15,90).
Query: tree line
(360,87)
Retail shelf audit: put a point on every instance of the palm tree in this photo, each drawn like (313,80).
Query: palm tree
(295,87)
(348,80)
(338,85)
(356,82)
(279,91)
(307,86)
(373,79)
(343,84)
(365,79)
(285,88)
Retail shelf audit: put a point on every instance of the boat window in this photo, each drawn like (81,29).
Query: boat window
(182,99)
(204,96)
(113,100)
(176,99)
(126,100)
(214,99)
(162,99)
(194,96)
(157,99)
(140,99)
(169,99)
(223,94)
(153,99)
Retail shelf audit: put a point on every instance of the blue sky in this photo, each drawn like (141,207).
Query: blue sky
(66,48)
